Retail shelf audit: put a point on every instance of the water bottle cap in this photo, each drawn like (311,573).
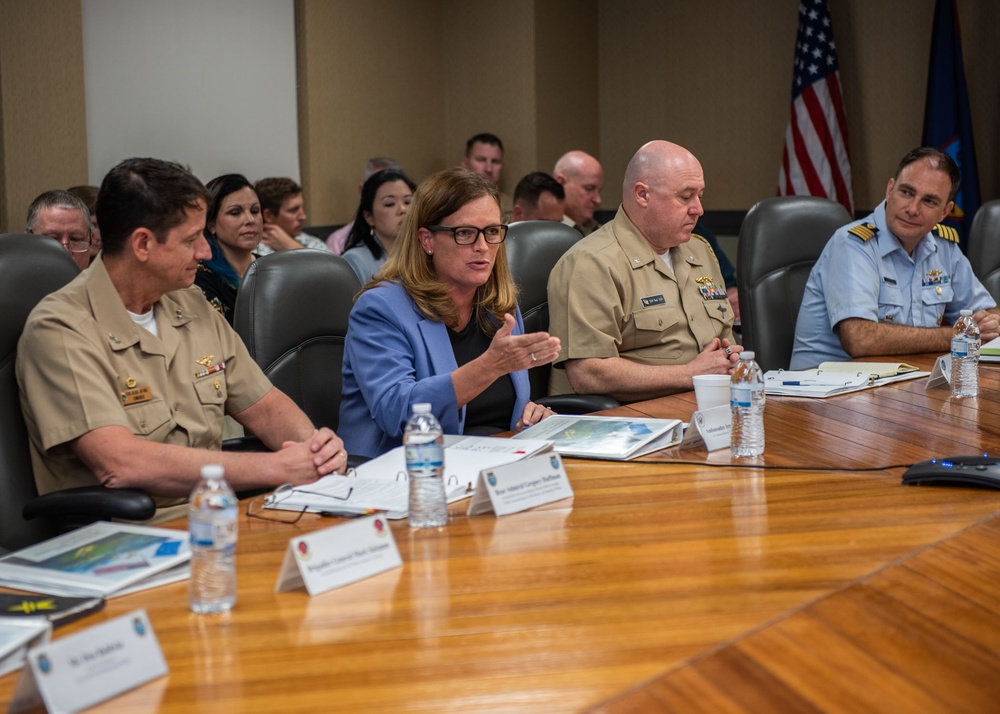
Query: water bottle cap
(212,471)
(965,313)
(422,408)
(746,355)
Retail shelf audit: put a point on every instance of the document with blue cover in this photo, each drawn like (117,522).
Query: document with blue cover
(603,437)
(100,560)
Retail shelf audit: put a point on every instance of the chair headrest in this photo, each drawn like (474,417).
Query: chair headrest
(31,267)
(291,296)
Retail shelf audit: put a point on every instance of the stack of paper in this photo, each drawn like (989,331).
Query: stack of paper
(380,484)
(877,370)
(836,378)
(813,382)
(990,352)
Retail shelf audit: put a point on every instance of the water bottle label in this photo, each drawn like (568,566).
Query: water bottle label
(424,456)
(959,346)
(214,532)
(740,395)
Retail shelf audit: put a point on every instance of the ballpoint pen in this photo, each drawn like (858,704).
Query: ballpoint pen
(347,514)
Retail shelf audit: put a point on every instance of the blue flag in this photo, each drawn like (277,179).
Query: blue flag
(947,120)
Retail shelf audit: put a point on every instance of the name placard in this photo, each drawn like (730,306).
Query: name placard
(339,555)
(711,427)
(941,374)
(521,485)
(79,671)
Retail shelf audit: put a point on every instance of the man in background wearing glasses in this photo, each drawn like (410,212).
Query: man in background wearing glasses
(64,217)
(640,304)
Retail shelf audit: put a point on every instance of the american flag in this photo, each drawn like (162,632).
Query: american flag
(815,161)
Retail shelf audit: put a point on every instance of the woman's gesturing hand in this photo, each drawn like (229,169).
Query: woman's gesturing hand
(512,353)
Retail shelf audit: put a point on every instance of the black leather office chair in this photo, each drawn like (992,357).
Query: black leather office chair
(291,311)
(984,246)
(30,268)
(533,248)
(780,241)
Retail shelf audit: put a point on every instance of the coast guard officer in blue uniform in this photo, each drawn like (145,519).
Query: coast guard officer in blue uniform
(894,283)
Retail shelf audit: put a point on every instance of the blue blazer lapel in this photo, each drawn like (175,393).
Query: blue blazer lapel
(442,357)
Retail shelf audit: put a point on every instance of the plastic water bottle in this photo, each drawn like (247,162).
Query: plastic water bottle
(965,357)
(212,522)
(424,445)
(747,403)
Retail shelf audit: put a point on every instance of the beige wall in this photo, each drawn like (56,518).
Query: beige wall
(414,79)
(566,85)
(369,84)
(726,95)
(43,121)
(607,76)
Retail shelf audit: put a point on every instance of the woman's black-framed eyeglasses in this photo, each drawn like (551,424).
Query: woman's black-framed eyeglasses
(467,235)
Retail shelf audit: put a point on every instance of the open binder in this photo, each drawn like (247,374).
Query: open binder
(832,378)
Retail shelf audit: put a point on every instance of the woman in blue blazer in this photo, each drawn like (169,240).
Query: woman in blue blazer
(440,324)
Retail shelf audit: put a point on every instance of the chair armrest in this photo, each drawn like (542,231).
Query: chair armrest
(577,403)
(93,502)
(244,443)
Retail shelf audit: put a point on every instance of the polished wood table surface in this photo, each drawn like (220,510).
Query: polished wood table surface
(799,581)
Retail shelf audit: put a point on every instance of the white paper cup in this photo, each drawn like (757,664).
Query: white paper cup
(711,390)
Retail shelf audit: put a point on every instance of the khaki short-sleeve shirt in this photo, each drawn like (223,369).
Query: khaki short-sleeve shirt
(82,363)
(611,295)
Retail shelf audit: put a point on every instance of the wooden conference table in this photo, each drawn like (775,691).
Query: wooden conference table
(661,586)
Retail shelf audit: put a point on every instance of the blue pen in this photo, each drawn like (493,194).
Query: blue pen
(796,384)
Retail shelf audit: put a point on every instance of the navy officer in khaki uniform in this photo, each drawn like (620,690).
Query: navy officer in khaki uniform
(126,373)
(640,305)
(895,282)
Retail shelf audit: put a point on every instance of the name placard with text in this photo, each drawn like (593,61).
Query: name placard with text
(92,666)
(339,555)
(711,427)
(522,485)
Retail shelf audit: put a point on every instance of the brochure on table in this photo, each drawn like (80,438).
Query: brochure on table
(512,488)
(602,437)
(380,484)
(97,560)
(339,555)
(91,666)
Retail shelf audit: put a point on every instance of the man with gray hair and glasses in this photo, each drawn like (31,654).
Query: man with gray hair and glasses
(64,217)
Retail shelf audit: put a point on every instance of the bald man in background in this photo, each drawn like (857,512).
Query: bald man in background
(582,178)
(640,305)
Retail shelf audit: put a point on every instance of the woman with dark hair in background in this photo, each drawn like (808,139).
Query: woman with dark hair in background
(233,227)
(440,324)
(385,198)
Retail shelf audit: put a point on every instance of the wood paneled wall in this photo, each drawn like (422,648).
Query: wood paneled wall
(43,121)
(415,80)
